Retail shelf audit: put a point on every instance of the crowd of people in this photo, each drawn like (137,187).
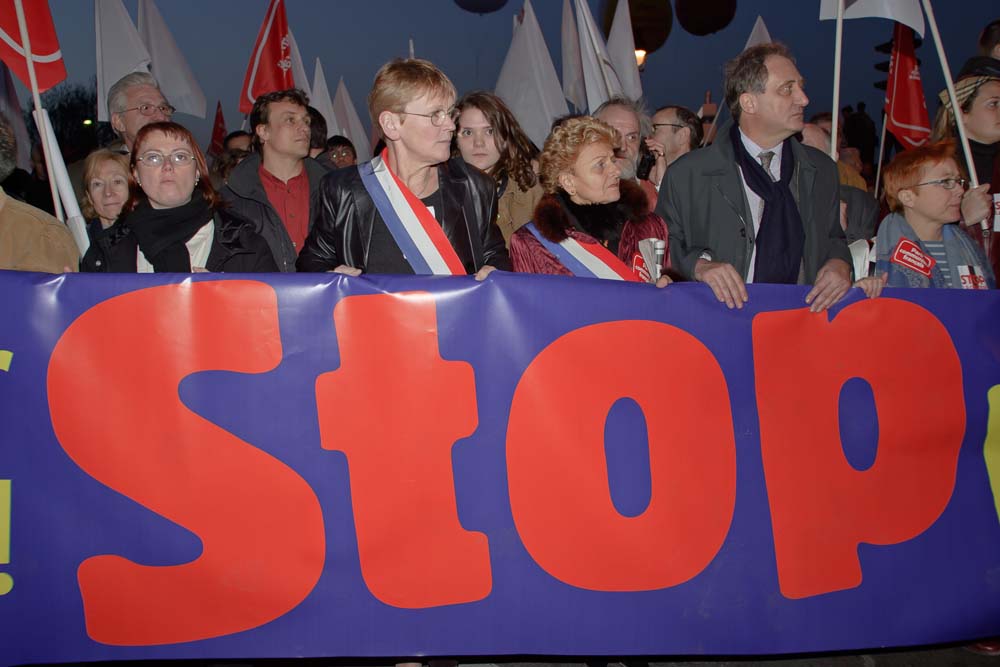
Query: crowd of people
(456,188)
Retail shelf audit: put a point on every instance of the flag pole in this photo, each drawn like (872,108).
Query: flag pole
(22,25)
(954,105)
(881,151)
(834,142)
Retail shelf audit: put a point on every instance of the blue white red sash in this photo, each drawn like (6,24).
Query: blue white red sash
(411,224)
(587,260)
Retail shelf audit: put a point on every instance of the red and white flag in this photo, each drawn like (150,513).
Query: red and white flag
(216,147)
(49,66)
(270,66)
(905,106)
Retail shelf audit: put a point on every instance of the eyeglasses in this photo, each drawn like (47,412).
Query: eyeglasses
(656,125)
(346,152)
(437,117)
(946,183)
(156,160)
(150,109)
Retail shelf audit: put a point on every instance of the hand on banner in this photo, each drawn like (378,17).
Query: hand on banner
(873,285)
(977,205)
(483,272)
(832,282)
(663,281)
(346,270)
(726,283)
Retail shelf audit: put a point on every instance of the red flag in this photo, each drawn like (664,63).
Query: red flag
(218,133)
(49,66)
(905,106)
(270,66)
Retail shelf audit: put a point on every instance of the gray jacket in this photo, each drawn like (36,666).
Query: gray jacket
(706,209)
(245,194)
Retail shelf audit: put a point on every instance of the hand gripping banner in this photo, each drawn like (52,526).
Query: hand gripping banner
(315,465)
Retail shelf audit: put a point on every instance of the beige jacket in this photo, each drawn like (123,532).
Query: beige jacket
(32,240)
(516,207)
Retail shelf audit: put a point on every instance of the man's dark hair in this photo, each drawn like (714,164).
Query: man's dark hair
(235,134)
(688,119)
(261,112)
(317,129)
(338,140)
(989,38)
(747,73)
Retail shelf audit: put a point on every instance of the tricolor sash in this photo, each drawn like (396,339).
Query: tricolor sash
(411,224)
(587,260)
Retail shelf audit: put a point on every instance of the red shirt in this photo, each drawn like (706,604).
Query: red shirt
(291,201)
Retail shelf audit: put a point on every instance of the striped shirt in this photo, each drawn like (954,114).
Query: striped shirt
(940,255)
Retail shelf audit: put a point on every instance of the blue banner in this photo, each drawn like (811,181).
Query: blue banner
(301,465)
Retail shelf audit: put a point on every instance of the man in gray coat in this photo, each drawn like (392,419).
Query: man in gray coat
(758,206)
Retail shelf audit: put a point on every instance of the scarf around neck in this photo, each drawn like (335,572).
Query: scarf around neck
(162,233)
(780,238)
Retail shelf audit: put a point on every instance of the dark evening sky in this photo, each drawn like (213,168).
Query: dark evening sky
(354,37)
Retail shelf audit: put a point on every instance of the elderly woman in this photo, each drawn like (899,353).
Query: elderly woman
(410,210)
(978,93)
(105,191)
(175,215)
(589,223)
(490,138)
(919,244)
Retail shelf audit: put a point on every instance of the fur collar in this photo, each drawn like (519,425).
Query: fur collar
(553,216)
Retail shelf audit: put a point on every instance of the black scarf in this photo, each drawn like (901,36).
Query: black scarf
(780,237)
(604,222)
(162,232)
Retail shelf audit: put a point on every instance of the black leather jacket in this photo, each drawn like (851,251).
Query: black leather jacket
(342,230)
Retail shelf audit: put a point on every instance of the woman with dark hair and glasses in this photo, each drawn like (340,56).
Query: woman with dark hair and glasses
(176,216)
(920,243)
(489,137)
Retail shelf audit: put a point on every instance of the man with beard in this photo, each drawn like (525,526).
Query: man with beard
(633,124)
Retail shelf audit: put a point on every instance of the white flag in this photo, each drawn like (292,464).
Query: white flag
(120,50)
(621,49)
(169,66)
(599,76)
(343,108)
(74,219)
(11,108)
(320,99)
(528,81)
(907,12)
(759,34)
(298,68)
(572,65)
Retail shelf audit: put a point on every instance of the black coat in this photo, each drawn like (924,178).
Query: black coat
(348,229)
(236,247)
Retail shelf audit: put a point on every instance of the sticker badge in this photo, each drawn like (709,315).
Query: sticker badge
(639,267)
(909,255)
(996,212)
(972,277)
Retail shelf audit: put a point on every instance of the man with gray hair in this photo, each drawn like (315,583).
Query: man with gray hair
(135,101)
(757,205)
(30,238)
(633,124)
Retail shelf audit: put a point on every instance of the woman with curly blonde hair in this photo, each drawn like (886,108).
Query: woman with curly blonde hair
(590,222)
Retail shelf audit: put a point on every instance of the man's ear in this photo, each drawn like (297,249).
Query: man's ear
(262,132)
(118,122)
(748,103)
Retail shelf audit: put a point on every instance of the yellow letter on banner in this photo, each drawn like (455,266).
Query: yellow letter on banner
(6,581)
(992,448)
